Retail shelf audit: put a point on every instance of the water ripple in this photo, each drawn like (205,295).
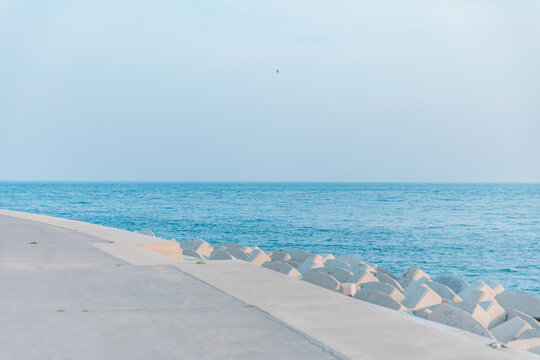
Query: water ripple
(489,232)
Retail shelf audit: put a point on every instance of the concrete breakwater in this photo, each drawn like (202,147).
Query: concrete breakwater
(86,291)
(508,318)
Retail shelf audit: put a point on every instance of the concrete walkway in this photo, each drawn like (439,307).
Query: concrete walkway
(63,298)
(85,291)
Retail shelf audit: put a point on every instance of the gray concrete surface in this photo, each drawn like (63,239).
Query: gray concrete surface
(63,298)
(88,292)
(357,329)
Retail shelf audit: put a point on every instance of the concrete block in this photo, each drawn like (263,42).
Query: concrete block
(221,254)
(530,334)
(422,296)
(323,280)
(389,280)
(411,275)
(198,245)
(253,248)
(496,313)
(477,285)
(327,257)
(510,330)
(444,291)
(192,253)
(299,255)
(340,274)
(355,263)
(449,315)
(308,264)
(293,263)
(202,247)
(384,288)
(511,313)
(230,246)
(528,340)
(348,289)
(239,254)
(338,264)
(497,288)
(361,276)
(280,256)
(409,289)
(475,310)
(351,260)
(382,270)
(219,246)
(146,232)
(283,268)
(423,313)
(476,296)
(258,257)
(378,298)
(527,304)
(363,267)
(454,283)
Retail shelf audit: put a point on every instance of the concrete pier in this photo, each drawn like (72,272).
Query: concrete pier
(73,290)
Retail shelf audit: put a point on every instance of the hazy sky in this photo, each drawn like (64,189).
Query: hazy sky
(186,90)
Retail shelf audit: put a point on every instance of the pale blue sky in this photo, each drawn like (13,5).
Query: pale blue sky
(186,90)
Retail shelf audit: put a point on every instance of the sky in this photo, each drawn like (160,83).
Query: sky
(379,90)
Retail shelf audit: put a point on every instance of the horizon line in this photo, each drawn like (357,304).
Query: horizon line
(267,182)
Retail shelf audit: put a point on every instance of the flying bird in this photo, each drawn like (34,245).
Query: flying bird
(277,71)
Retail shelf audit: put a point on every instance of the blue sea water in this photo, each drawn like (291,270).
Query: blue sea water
(489,232)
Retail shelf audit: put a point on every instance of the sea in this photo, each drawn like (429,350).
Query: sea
(487,232)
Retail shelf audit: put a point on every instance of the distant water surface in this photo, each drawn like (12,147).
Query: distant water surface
(489,232)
